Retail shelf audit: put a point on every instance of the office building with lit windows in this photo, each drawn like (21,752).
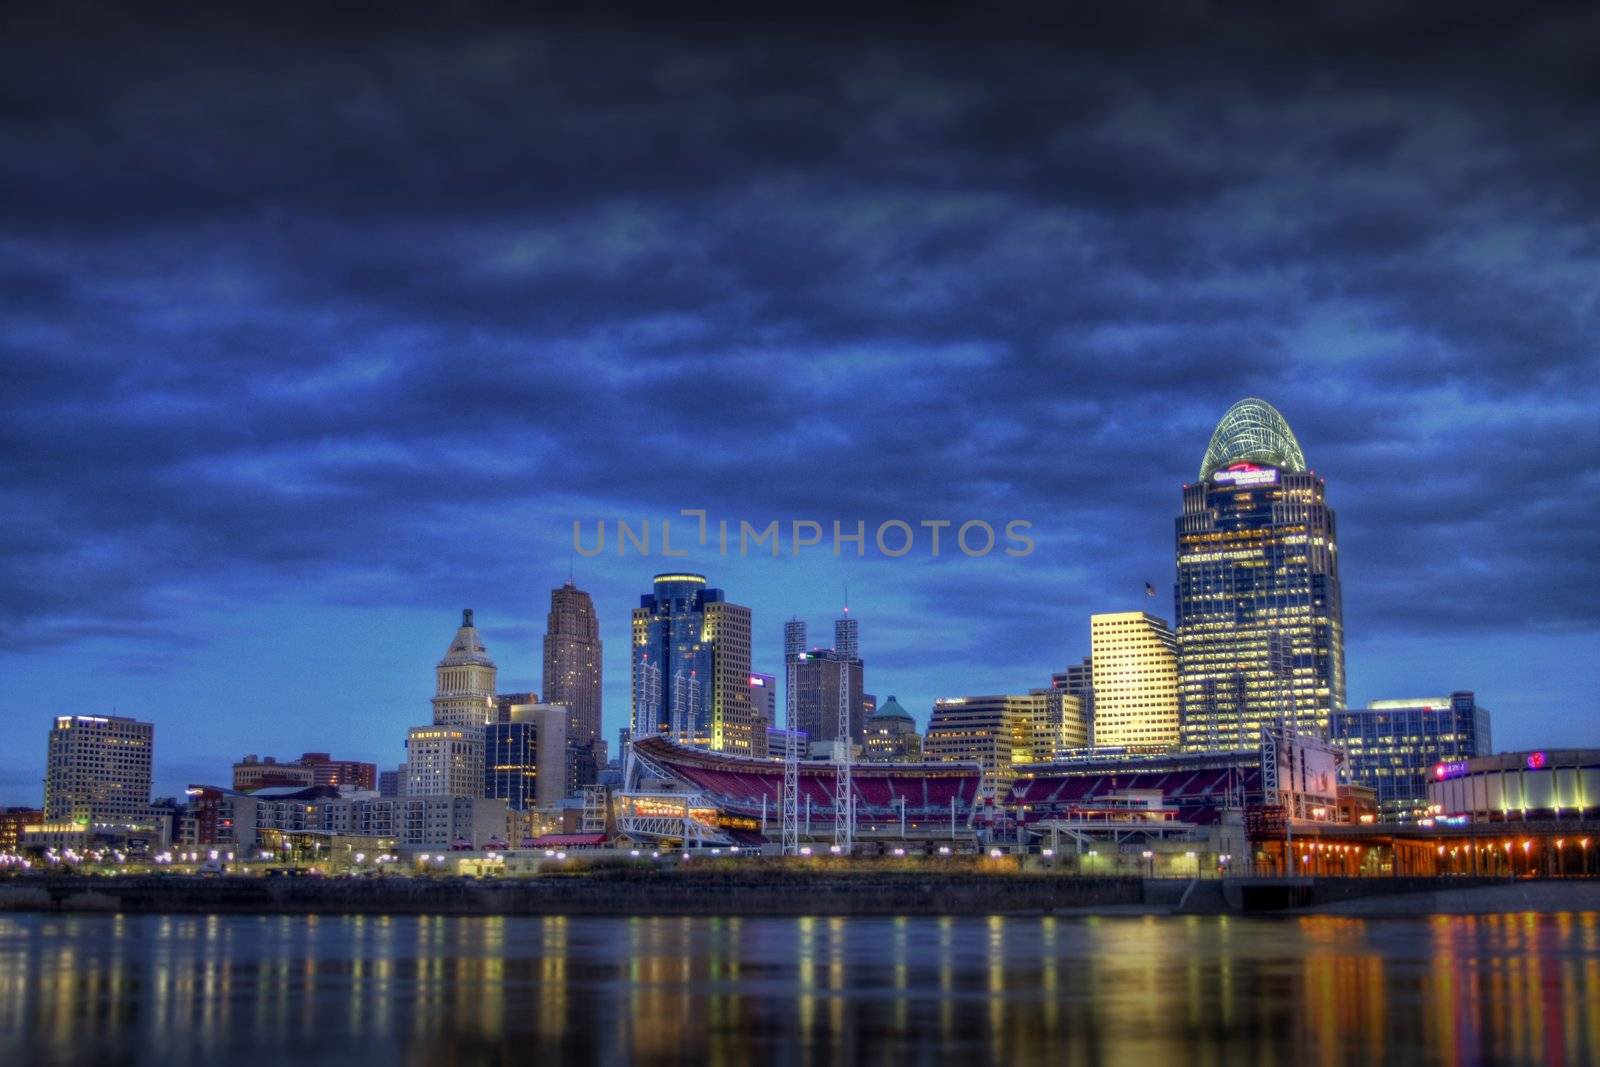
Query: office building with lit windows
(996,732)
(1393,746)
(572,665)
(97,770)
(1134,659)
(691,667)
(1258,608)
(527,761)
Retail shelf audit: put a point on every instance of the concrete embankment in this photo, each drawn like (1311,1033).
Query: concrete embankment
(1526,896)
(674,893)
(753,891)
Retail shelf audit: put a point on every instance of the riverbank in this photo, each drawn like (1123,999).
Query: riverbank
(757,891)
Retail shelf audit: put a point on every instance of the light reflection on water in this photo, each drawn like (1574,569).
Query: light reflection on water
(242,990)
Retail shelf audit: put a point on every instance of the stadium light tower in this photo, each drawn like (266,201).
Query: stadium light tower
(844,804)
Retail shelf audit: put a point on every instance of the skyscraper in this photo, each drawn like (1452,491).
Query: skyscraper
(97,769)
(446,759)
(691,667)
(528,762)
(1134,659)
(1259,614)
(464,680)
(819,674)
(572,661)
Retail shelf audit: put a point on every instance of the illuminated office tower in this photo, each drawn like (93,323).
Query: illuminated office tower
(999,732)
(444,761)
(691,667)
(97,769)
(1259,617)
(1134,663)
(1395,746)
(465,680)
(572,661)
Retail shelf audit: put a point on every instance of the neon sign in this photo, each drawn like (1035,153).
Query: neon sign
(1244,475)
(1450,769)
(1535,760)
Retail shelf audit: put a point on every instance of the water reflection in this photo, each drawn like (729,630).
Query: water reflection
(244,990)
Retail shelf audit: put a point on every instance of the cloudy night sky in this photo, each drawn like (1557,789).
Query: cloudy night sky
(314,332)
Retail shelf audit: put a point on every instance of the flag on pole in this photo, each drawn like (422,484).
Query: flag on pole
(1149,590)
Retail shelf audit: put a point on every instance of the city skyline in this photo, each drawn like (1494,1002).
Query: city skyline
(280,404)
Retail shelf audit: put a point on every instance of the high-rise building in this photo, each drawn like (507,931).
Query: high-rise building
(572,662)
(97,769)
(465,680)
(528,761)
(1066,729)
(691,667)
(1134,658)
(818,675)
(1259,614)
(763,701)
(997,732)
(1394,746)
(1078,680)
(891,735)
(444,761)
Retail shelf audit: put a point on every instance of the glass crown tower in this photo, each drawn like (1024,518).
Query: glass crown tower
(1258,607)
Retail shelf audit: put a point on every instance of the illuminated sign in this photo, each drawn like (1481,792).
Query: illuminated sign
(756,679)
(1535,760)
(1243,475)
(1450,769)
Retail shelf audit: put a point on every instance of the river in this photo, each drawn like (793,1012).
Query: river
(245,990)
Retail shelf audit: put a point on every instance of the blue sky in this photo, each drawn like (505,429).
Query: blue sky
(314,332)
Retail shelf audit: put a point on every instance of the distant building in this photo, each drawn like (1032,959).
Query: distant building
(528,761)
(12,820)
(869,705)
(1066,729)
(1393,746)
(1259,611)
(1078,680)
(312,768)
(464,681)
(389,783)
(444,761)
(763,701)
(818,674)
(572,667)
(261,772)
(97,769)
(285,820)
(891,735)
(996,732)
(1134,658)
(691,667)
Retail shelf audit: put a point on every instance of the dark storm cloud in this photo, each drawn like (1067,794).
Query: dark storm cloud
(298,303)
